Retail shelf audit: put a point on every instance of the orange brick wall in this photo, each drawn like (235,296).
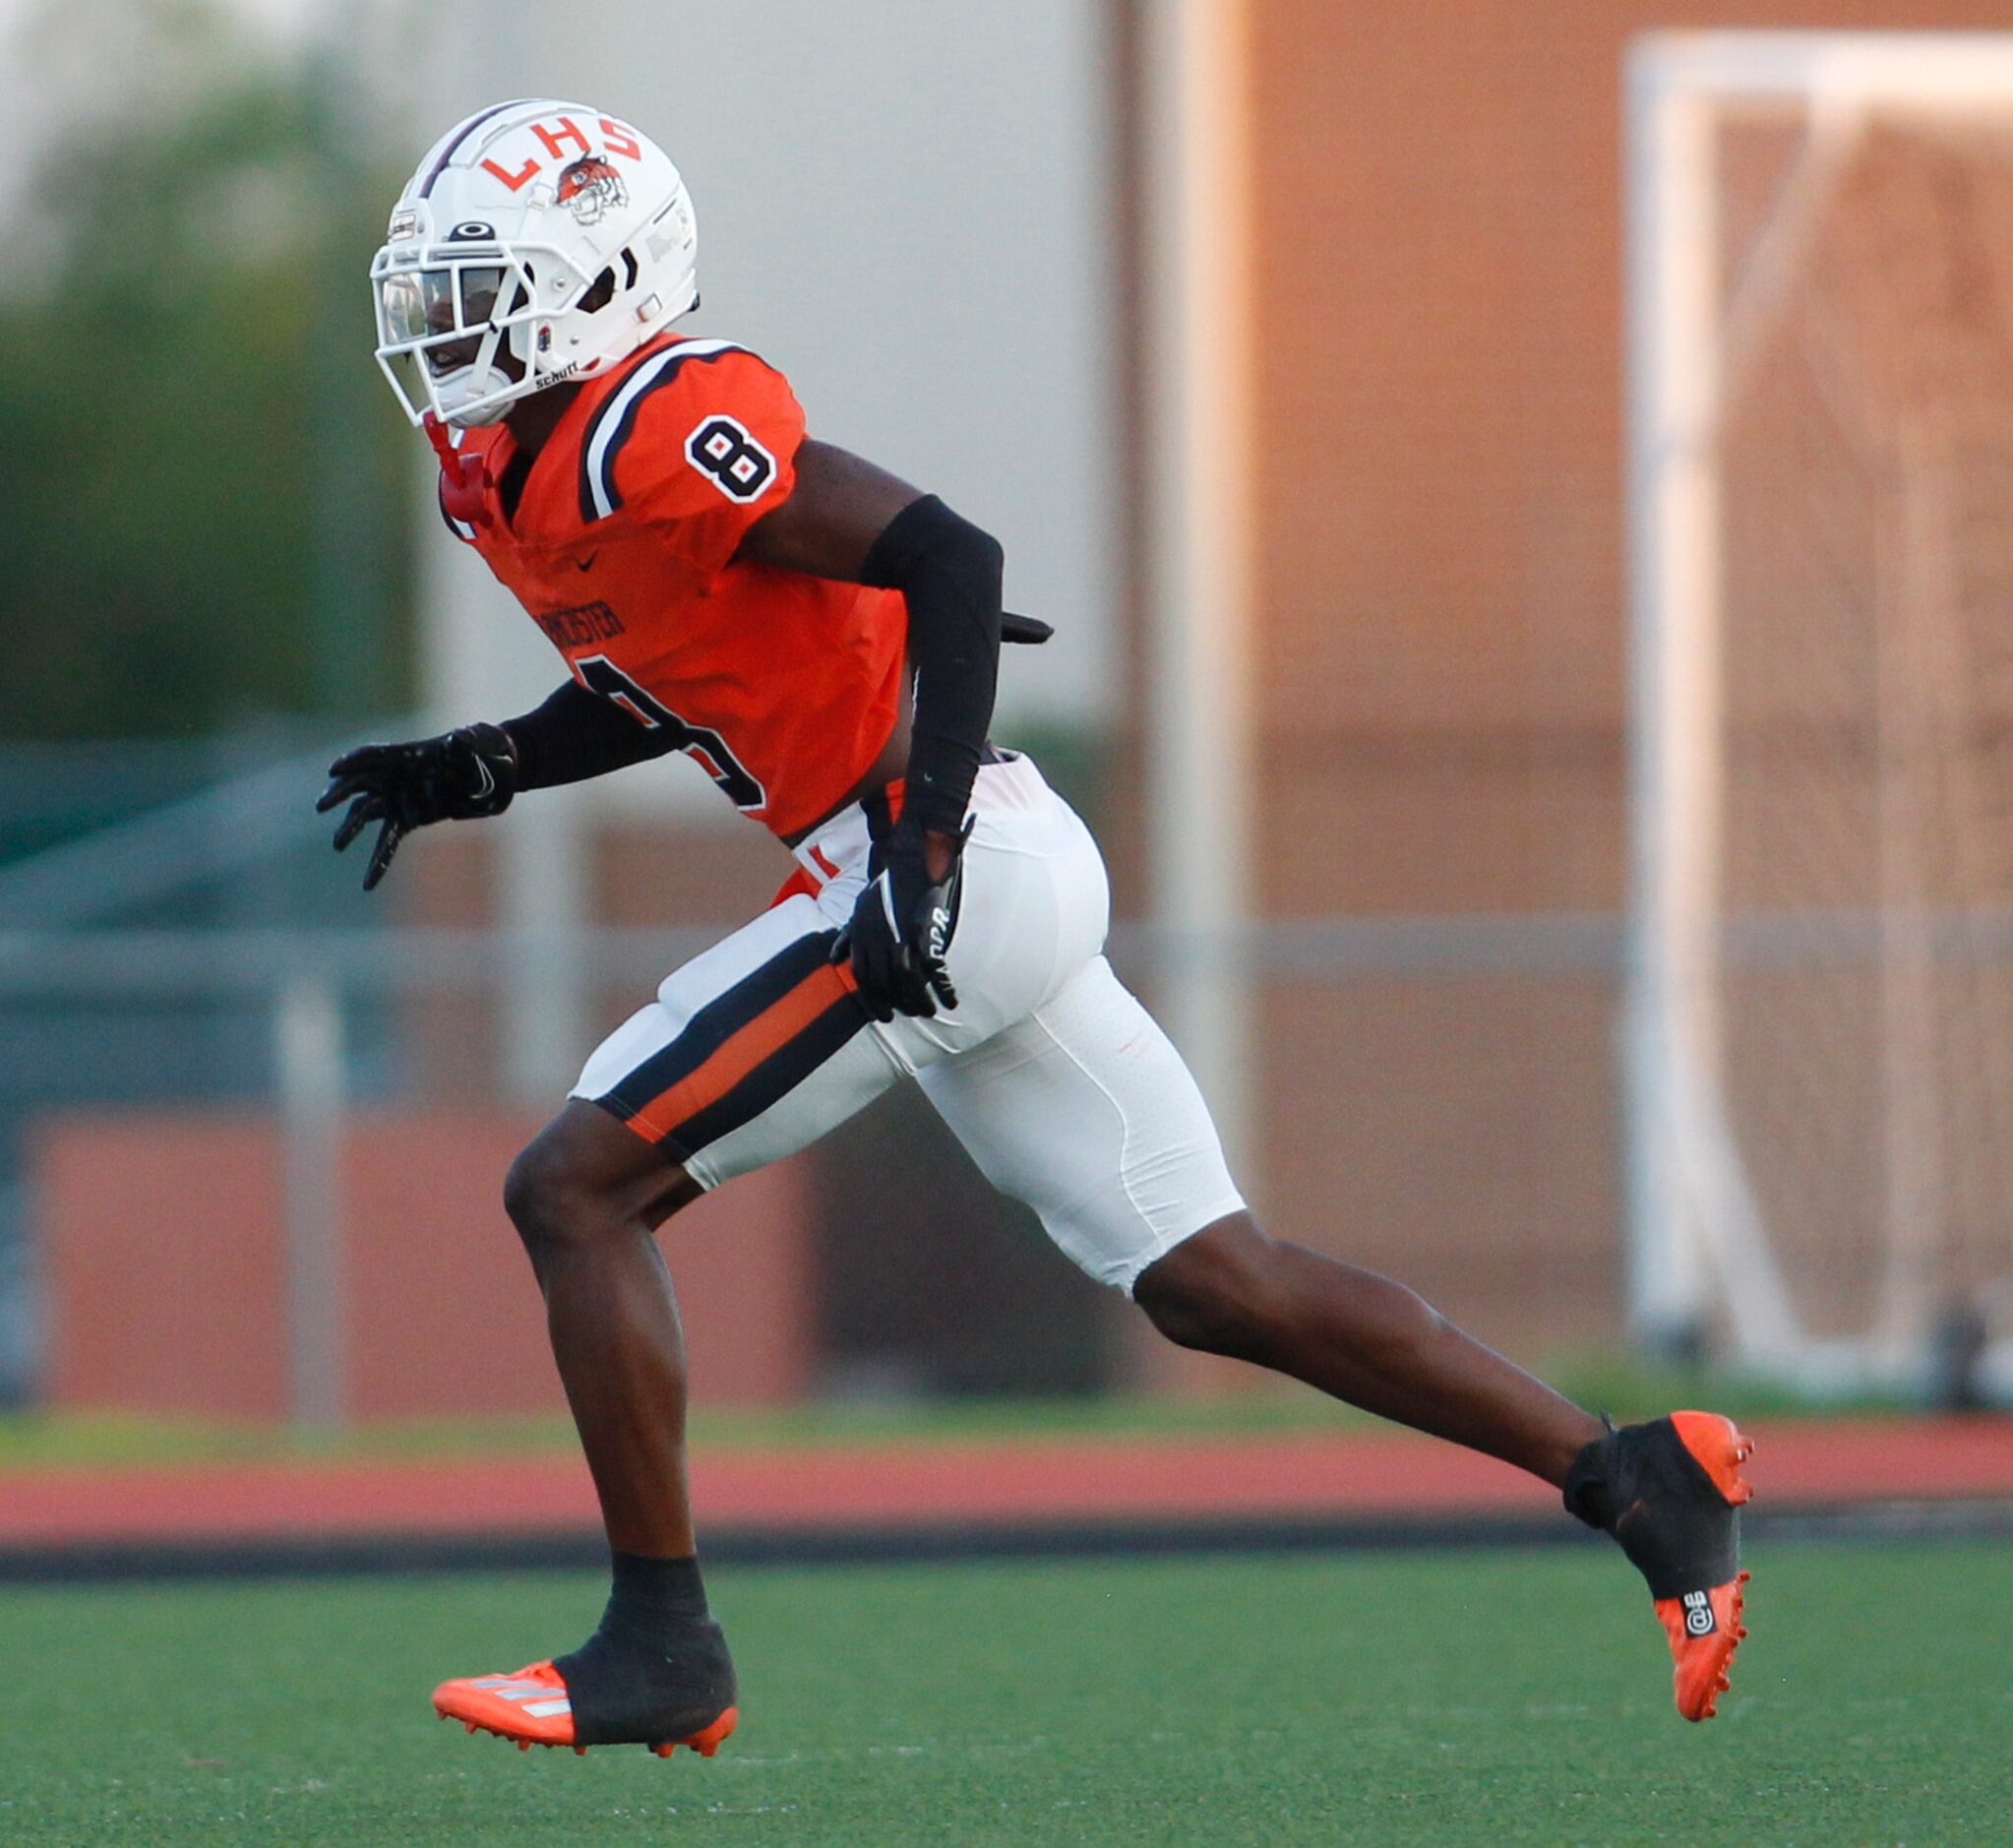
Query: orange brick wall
(1439,373)
(1439,369)
(161,1244)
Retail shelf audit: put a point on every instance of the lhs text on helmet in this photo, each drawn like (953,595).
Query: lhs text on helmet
(557,136)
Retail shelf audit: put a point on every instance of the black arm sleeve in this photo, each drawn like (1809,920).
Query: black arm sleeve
(950,571)
(577,734)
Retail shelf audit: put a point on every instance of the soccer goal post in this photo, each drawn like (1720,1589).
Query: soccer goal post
(1820,980)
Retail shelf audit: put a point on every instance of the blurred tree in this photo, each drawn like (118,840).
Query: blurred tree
(209,517)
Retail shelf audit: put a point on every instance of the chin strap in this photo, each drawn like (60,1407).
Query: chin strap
(464,477)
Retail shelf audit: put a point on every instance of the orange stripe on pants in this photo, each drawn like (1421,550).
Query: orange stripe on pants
(768,1032)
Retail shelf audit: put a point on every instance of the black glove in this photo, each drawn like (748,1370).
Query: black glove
(460,775)
(901,929)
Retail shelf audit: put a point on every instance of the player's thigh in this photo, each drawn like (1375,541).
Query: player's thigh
(1035,907)
(1085,1111)
(750,1052)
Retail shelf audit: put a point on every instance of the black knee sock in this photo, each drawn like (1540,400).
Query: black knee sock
(657,1668)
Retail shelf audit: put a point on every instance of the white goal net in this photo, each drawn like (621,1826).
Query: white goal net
(1821,979)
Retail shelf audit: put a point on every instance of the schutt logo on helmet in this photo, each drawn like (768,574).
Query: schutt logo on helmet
(591,188)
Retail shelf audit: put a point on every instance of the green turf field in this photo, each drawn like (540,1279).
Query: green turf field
(1476,1697)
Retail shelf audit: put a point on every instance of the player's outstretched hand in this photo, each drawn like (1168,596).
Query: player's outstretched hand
(460,775)
(901,929)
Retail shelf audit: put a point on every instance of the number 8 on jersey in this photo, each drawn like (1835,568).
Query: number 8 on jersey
(729,457)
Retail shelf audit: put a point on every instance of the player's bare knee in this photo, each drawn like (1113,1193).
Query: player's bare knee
(542,1197)
(1218,1292)
(585,1178)
(553,1196)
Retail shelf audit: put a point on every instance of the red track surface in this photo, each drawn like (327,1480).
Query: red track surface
(853,1487)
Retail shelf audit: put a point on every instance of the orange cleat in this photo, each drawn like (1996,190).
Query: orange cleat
(1671,1492)
(532,1708)
(1705,1629)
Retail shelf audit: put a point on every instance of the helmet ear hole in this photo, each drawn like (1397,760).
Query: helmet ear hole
(600,295)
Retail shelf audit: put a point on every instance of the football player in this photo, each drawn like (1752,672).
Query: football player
(822,640)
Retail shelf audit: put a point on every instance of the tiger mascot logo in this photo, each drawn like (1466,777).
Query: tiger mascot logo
(590,189)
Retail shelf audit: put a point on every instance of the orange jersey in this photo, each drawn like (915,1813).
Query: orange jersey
(783,687)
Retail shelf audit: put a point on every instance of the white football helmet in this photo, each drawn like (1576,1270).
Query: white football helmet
(537,242)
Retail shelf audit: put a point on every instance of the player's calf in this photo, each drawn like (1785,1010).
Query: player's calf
(586,1197)
(1361,1337)
(1235,1290)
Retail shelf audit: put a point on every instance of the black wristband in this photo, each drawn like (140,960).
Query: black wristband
(950,573)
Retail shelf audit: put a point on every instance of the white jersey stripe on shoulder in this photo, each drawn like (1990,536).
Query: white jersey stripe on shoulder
(702,350)
(609,420)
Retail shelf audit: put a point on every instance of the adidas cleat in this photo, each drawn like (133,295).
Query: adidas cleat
(532,1708)
(1671,1492)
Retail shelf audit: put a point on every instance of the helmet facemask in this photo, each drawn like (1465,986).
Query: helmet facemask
(462,331)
